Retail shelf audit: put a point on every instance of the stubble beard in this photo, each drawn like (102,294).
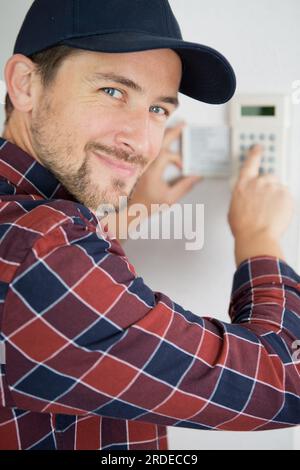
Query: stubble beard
(56,157)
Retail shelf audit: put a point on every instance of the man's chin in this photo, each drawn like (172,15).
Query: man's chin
(113,204)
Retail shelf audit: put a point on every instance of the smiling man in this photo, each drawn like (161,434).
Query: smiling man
(91,357)
(95,127)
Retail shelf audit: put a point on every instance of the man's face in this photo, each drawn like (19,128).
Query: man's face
(97,135)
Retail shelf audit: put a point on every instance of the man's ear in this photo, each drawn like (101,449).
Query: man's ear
(19,75)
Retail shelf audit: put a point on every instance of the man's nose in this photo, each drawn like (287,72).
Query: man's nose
(134,135)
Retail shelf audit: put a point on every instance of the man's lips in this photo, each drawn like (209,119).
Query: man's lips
(117,165)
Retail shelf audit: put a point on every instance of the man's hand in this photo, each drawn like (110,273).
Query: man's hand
(151,187)
(260,212)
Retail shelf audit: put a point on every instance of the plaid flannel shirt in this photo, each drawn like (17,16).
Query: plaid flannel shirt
(94,359)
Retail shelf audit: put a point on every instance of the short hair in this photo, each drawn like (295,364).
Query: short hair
(48,62)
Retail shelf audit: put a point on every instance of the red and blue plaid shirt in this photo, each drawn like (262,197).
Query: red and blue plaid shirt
(94,359)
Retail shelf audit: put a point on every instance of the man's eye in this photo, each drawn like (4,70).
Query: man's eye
(112,91)
(161,111)
(157,109)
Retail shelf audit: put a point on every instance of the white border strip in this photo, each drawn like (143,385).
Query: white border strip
(2,354)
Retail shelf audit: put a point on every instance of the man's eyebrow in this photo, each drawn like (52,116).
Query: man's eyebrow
(110,76)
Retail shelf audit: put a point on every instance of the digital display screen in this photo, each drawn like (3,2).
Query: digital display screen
(258,111)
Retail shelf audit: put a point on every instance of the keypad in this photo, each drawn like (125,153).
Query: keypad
(268,141)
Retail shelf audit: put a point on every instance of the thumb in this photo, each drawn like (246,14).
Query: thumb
(183,186)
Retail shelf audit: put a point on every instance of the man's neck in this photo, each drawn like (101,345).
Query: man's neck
(17,133)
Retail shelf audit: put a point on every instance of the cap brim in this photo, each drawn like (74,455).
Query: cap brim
(207,74)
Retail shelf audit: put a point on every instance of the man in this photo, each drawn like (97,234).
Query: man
(92,358)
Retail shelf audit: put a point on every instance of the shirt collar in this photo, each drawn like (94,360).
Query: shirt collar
(27,175)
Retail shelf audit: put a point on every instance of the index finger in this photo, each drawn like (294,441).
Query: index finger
(250,168)
(173,133)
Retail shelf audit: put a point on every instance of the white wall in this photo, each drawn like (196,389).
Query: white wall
(262,40)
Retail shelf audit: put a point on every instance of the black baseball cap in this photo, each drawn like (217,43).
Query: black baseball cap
(116,26)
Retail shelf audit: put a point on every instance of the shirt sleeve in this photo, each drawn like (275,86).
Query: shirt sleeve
(86,336)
